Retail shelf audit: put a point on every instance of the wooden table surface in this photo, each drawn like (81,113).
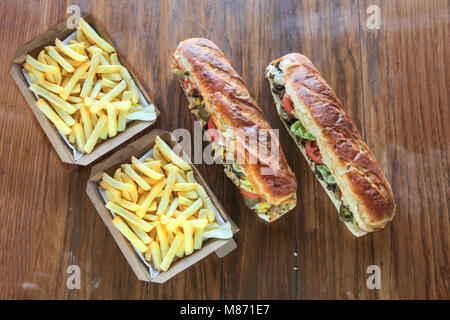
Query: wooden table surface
(393,81)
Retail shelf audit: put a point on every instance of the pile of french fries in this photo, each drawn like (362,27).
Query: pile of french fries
(83,89)
(159,206)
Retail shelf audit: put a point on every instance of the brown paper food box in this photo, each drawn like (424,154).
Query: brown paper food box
(33,48)
(220,246)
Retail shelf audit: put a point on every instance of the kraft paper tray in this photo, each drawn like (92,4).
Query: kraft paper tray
(220,246)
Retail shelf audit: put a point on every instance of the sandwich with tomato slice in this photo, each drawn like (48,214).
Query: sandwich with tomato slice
(331,144)
(219,99)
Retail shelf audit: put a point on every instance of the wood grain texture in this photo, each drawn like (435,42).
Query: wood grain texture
(393,81)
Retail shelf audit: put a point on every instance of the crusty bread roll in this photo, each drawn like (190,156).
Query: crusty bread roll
(360,185)
(212,85)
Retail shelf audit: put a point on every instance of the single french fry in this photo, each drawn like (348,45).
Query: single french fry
(198,223)
(73,99)
(173,206)
(59,59)
(148,253)
(156,254)
(53,117)
(104,61)
(174,247)
(112,76)
(185,186)
(71,137)
(67,118)
(166,220)
(125,203)
(146,170)
(128,216)
(122,120)
(87,85)
(39,74)
(119,177)
(121,105)
(168,153)
(188,238)
(180,251)
(158,156)
(112,120)
(96,90)
(81,38)
(53,87)
(53,98)
(93,119)
(134,193)
(163,241)
(116,184)
(135,177)
(198,234)
(93,37)
(48,76)
(182,201)
(77,46)
(68,51)
(108,97)
(141,234)
(107,187)
(211,212)
(90,144)
(157,188)
(184,215)
(52,62)
(191,195)
(79,136)
(41,66)
(134,91)
(105,131)
(87,122)
(76,89)
(106,83)
(129,234)
(74,79)
(114,58)
(152,217)
(113,195)
(171,237)
(109,68)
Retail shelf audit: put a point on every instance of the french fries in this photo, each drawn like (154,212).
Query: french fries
(158,216)
(84,87)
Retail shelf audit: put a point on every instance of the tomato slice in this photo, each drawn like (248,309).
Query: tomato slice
(312,149)
(215,135)
(287,104)
(249,194)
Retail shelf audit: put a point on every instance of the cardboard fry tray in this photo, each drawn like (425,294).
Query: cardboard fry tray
(138,148)
(33,48)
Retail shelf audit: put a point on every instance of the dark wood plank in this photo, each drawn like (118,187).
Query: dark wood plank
(406,77)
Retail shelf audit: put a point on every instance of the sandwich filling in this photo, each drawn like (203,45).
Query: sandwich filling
(234,171)
(307,144)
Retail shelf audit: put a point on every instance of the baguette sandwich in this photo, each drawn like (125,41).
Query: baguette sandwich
(331,144)
(219,99)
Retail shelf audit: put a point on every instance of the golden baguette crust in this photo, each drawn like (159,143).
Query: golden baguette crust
(228,102)
(358,175)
